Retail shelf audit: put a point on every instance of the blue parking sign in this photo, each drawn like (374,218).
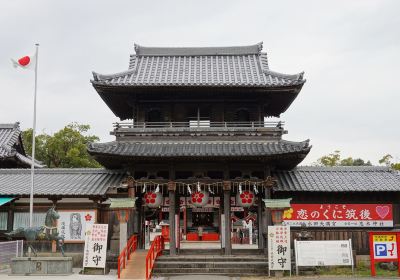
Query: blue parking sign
(381,250)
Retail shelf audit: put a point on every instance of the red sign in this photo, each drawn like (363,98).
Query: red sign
(339,215)
(384,247)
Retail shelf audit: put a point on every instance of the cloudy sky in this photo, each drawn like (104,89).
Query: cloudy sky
(349,50)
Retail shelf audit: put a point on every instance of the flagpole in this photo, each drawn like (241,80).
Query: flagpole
(33,142)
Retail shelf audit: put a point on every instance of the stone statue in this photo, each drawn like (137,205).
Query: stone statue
(304,234)
(47,232)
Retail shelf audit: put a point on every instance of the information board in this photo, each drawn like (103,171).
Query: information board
(72,224)
(279,248)
(95,246)
(323,253)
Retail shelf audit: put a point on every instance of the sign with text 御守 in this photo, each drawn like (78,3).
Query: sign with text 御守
(95,246)
(279,248)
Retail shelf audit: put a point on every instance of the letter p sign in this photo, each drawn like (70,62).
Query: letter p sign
(381,250)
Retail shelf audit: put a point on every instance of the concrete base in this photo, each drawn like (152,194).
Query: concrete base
(41,266)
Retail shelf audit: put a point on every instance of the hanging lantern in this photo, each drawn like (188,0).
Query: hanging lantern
(153,199)
(245,199)
(200,198)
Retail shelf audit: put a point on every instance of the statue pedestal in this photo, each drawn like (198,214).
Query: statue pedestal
(41,266)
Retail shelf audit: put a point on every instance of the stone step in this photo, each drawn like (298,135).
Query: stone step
(211,273)
(197,264)
(237,271)
(216,252)
(211,258)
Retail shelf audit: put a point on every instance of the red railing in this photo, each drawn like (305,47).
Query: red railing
(126,253)
(156,248)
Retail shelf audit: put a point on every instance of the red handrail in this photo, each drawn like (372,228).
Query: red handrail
(130,247)
(156,248)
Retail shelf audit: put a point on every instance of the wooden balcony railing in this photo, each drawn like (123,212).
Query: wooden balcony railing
(200,124)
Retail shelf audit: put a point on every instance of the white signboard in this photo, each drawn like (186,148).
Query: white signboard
(323,253)
(95,246)
(279,248)
(72,224)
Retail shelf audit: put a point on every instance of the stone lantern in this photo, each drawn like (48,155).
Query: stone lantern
(277,207)
(123,207)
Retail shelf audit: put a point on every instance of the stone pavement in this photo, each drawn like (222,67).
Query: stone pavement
(113,276)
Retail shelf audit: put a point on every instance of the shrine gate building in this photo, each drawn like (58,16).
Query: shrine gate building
(196,137)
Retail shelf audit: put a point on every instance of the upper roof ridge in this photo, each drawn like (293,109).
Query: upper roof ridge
(9,125)
(198,51)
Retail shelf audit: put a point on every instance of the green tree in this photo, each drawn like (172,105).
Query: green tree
(387,160)
(334,159)
(65,148)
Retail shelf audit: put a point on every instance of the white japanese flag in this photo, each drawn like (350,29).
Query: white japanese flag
(25,62)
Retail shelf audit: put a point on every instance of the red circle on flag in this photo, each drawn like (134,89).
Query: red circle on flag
(24,61)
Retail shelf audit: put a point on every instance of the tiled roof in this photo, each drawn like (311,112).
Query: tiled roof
(10,140)
(338,179)
(199,149)
(66,182)
(242,66)
(9,134)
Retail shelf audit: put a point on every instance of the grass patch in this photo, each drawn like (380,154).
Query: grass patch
(360,271)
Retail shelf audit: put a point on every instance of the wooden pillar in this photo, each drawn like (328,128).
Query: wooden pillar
(140,215)
(260,220)
(10,216)
(267,219)
(227,214)
(172,210)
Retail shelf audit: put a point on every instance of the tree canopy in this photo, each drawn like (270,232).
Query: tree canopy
(65,148)
(334,159)
(387,160)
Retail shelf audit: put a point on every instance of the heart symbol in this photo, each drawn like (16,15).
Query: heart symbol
(382,211)
(24,61)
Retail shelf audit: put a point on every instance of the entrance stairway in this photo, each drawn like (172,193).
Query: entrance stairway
(235,265)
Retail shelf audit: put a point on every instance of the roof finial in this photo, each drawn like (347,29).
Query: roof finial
(260,46)
(137,47)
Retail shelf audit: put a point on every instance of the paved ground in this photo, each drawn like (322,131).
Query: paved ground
(113,276)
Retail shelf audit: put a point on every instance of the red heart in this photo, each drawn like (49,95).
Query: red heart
(382,211)
(153,195)
(199,200)
(193,199)
(147,201)
(24,61)
(201,195)
(152,200)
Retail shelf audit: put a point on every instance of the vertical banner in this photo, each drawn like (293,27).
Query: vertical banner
(95,246)
(279,248)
